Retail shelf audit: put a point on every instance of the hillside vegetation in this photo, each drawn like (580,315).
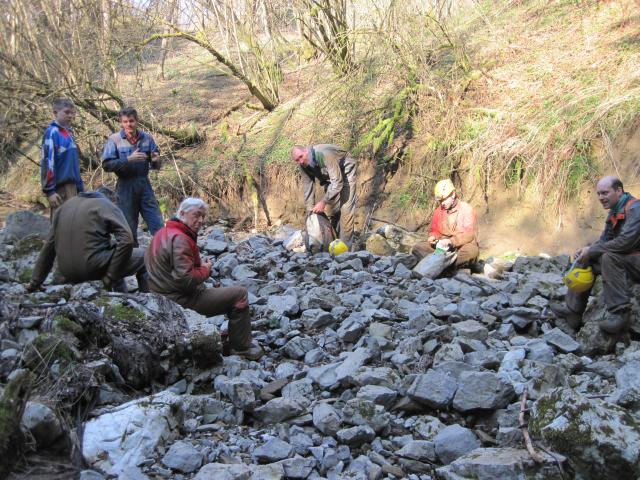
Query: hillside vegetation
(523,103)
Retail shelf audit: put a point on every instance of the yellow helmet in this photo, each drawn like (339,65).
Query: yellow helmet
(337,247)
(579,279)
(443,189)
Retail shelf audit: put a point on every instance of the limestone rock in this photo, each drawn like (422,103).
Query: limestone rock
(601,440)
(501,464)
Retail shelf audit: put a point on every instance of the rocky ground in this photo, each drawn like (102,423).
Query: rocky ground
(369,372)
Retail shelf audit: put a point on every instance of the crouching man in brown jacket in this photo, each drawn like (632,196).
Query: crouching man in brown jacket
(82,239)
(177,272)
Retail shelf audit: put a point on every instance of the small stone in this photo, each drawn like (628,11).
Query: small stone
(272,451)
(183,457)
(421,450)
(471,329)
(434,389)
(381,395)
(326,419)
(561,341)
(482,390)
(356,435)
(43,424)
(453,442)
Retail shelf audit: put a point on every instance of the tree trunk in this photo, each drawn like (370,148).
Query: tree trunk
(173,8)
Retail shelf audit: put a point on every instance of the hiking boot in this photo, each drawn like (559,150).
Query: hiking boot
(572,320)
(252,352)
(615,323)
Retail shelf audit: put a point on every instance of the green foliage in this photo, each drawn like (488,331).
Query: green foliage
(514,172)
(12,403)
(123,312)
(46,349)
(64,324)
(581,168)
(26,246)
(396,119)
(25,275)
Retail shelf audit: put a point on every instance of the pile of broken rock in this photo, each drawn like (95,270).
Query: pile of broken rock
(370,373)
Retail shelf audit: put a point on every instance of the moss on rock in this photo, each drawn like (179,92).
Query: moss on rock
(12,403)
(46,349)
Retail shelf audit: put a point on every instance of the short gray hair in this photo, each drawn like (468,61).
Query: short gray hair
(189,204)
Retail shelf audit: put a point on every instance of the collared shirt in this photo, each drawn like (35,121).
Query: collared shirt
(60,159)
(118,149)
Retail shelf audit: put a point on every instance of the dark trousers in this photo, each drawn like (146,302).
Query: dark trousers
(232,301)
(466,253)
(135,198)
(618,271)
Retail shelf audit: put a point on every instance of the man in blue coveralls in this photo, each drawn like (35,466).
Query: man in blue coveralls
(130,153)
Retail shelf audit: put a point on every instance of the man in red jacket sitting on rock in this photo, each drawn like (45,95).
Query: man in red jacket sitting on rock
(453,226)
(177,272)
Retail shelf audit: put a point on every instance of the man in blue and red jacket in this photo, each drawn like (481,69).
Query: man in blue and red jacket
(130,154)
(615,256)
(60,159)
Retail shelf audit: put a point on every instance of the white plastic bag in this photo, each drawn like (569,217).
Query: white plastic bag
(319,233)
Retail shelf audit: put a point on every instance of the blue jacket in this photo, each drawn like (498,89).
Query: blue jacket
(117,150)
(60,162)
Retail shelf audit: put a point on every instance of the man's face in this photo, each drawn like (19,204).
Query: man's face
(64,117)
(447,203)
(301,157)
(194,219)
(129,124)
(607,195)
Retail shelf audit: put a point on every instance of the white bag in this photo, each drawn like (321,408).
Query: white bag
(433,265)
(319,233)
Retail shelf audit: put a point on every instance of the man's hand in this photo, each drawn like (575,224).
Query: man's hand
(319,207)
(445,243)
(155,159)
(55,200)
(432,239)
(137,156)
(582,255)
(108,283)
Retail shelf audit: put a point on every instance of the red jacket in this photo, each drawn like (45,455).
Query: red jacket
(459,224)
(173,262)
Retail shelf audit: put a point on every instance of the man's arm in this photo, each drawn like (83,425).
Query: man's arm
(435,224)
(466,228)
(307,186)
(156,163)
(118,226)
(185,271)
(47,163)
(47,256)
(332,162)
(626,241)
(111,161)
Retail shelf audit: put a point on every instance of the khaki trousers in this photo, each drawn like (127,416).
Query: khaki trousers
(466,253)
(343,215)
(66,191)
(232,301)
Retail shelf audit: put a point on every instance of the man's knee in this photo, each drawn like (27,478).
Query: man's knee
(241,298)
